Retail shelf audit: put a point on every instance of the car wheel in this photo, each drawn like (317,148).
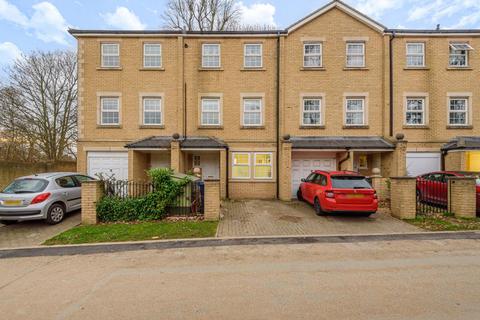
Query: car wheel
(299,195)
(318,207)
(55,214)
(8,222)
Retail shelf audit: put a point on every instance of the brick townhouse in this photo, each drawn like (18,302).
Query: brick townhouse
(260,110)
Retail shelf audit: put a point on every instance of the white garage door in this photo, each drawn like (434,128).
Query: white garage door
(108,163)
(301,168)
(419,163)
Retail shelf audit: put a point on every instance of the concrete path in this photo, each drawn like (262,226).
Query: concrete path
(269,218)
(370,280)
(32,233)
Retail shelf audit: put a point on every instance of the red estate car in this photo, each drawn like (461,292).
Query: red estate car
(433,188)
(338,191)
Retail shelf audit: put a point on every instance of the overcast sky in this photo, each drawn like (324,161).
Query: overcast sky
(27,25)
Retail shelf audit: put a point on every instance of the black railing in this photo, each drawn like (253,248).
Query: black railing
(432,196)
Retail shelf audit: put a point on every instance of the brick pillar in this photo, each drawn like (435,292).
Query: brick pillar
(223,173)
(399,166)
(403,198)
(380,184)
(212,200)
(92,191)
(285,178)
(462,197)
(175,155)
(138,164)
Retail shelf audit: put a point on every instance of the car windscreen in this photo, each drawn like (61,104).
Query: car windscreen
(350,182)
(26,186)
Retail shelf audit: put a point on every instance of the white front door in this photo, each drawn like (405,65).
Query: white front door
(302,167)
(209,163)
(419,163)
(108,163)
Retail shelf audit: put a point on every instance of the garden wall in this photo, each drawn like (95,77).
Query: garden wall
(12,170)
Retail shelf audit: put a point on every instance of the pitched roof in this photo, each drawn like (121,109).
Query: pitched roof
(462,143)
(154,142)
(163,142)
(341,143)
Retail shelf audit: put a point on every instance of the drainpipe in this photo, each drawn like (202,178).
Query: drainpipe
(227,164)
(390,48)
(343,160)
(184,46)
(278,116)
(442,161)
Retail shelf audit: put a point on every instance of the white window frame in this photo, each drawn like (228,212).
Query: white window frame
(356,55)
(466,111)
(202,100)
(260,112)
(144,98)
(103,55)
(219,55)
(245,55)
(249,165)
(466,54)
(262,165)
(145,55)
(305,44)
(422,44)
(320,111)
(423,111)
(102,99)
(364,108)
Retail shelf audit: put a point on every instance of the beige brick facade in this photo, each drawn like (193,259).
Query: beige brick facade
(281,84)
(212,200)
(462,196)
(92,191)
(403,200)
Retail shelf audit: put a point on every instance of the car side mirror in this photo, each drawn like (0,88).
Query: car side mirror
(303,180)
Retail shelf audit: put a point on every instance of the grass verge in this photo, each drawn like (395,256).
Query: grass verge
(135,232)
(444,222)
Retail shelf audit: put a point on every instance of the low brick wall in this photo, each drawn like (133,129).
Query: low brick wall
(92,192)
(212,200)
(462,197)
(381,185)
(403,200)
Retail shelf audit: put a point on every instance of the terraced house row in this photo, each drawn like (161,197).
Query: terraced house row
(260,110)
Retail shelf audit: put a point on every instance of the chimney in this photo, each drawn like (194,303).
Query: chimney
(438,27)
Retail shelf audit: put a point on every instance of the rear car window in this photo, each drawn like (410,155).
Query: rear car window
(350,182)
(26,186)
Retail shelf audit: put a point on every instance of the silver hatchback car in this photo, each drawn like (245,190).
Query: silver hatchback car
(47,196)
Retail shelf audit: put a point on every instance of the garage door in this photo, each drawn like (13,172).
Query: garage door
(419,163)
(108,163)
(301,168)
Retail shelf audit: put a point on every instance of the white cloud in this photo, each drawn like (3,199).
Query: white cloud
(9,52)
(440,9)
(468,20)
(47,23)
(376,8)
(258,14)
(124,19)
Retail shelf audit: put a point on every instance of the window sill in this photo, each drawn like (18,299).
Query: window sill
(106,126)
(416,68)
(252,127)
(151,69)
(251,180)
(420,127)
(356,127)
(459,68)
(468,127)
(156,126)
(312,127)
(109,68)
(210,127)
(252,69)
(313,69)
(210,69)
(355,69)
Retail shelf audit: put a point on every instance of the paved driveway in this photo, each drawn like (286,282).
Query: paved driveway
(32,233)
(269,218)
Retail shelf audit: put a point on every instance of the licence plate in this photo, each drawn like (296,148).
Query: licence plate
(355,196)
(12,203)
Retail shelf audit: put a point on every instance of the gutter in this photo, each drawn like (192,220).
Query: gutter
(390,48)
(278,117)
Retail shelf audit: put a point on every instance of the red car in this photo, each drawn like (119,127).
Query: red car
(433,188)
(338,191)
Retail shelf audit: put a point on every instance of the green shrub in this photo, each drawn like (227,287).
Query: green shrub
(152,206)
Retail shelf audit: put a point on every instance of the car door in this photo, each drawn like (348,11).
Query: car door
(70,192)
(78,190)
(307,187)
(320,186)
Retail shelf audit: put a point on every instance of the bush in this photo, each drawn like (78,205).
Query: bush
(152,206)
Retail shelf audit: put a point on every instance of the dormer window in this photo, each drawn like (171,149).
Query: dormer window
(459,54)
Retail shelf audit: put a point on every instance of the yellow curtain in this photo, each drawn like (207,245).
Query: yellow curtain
(473,161)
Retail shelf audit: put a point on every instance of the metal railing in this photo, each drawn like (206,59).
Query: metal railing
(432,196)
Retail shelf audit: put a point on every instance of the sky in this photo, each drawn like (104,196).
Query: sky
(28,25)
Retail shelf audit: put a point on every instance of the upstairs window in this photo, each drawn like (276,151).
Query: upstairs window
(355,54)
(152,111)
(459,54)
(355,112)
(253,56)
(415,113)
(312,55)
(312,112)
(110,111)
(110,55)
(152,55)
(458,111)
(252,112)
(210,115)
(211,56)
(415,55)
